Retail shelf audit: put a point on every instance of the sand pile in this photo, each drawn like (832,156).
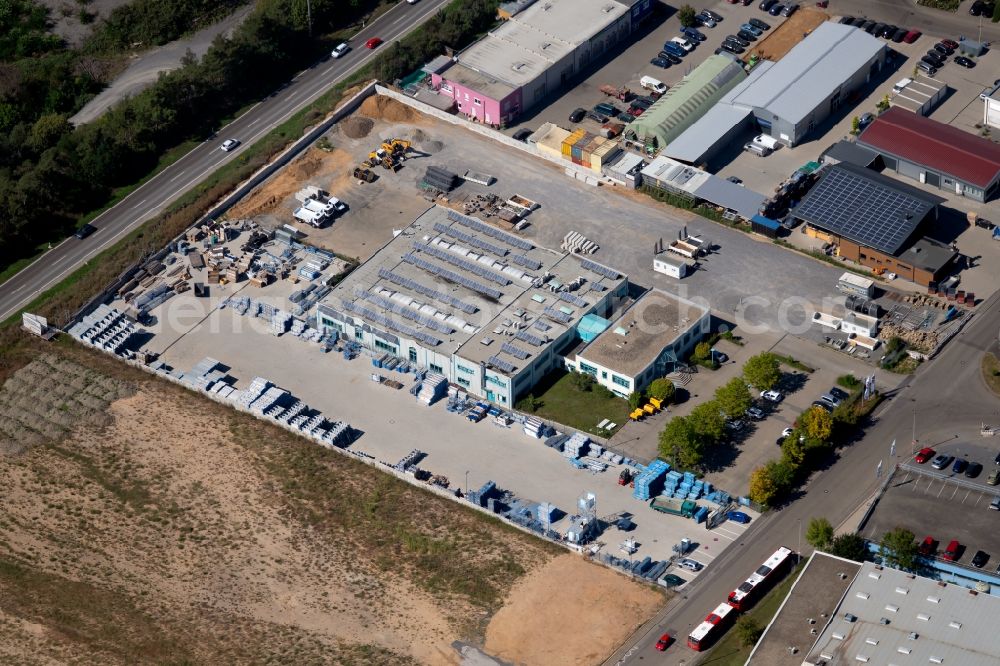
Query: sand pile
(357,127)
(386,108)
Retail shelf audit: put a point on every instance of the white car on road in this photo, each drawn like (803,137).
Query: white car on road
(340,50)
(773,396)
(229,144)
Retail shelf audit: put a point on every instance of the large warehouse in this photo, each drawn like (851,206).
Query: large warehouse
(534,53)
(648,341)
(487,309)
(876,222)
(786,99)
(935,154)
(685,102)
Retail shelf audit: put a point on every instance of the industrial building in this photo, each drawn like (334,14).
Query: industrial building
(876,222)
(887,616)
(487,309)
(809,605)
(785,99)
(936,154)
(700,186)
(540,47)
(991,106)
(685,102)
(647,341)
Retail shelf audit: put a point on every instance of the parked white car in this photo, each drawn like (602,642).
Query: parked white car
(773,396)
(691,565)
(683,43)
(340,50)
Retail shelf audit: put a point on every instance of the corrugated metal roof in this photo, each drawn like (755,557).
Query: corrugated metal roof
(934,145)
(687,101)
(721,192)
(811,71)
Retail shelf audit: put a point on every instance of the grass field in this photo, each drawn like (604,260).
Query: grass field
(991,372)
(728,651)
(558,399)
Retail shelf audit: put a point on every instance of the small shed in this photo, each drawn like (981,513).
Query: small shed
(765,226)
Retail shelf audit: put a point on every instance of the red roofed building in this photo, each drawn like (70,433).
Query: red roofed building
(934,153)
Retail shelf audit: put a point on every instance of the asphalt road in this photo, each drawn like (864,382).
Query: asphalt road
(949,384)
(154,195)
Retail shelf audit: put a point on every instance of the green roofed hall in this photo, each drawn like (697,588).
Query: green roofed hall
(686,102)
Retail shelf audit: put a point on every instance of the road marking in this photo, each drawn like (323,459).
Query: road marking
(138,204)
(179,174)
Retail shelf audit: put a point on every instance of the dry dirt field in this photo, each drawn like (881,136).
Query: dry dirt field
(153,526)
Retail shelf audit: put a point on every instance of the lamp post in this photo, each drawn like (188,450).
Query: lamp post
(466,483)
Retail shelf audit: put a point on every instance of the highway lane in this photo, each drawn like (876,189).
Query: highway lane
(156,194)
(950,384)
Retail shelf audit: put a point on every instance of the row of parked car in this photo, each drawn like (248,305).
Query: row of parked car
(775,8)
(893,33)
(952,552)
(970,468)
(748,32)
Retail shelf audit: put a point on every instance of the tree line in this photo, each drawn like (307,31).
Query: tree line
(52,174)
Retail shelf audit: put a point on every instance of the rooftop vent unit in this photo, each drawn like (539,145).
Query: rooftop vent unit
(850,617)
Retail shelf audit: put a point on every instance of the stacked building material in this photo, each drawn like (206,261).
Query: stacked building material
(576,446)
(546,513)
(106,328)
(649,481)
(441,179)
(257,387)
(432,388)
(280,322)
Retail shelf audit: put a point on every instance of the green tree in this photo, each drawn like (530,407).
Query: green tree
(899,549)
(793,450)
(851,546)
(817,423)
(763,371)
(763,489)
(733,398)
(819,533)
(749,631)
(636,399)
(855,125)
(708,423)
(687,14)
(702,351)
(680,444)
(662,388)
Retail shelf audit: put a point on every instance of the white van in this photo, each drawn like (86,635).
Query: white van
(683,43)
(649,83)
(765,141)
(757,149)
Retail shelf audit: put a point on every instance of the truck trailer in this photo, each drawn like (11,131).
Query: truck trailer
(673,507)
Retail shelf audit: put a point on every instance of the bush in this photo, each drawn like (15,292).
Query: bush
(849,382)
(582,381)
(851,545)
(636,399)
(686,16)
(749,631)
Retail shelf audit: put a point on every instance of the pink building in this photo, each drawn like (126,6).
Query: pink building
(478,97)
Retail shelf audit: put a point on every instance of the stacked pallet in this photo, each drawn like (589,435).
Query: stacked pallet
(576,446)
(648,482)
(432,388)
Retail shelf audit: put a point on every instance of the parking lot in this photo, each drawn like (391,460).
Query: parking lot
(943,505)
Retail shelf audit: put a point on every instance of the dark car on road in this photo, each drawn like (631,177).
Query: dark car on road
(899,35)
(775,10)
(757,23)
(959,466)
(943,49)
(522,134)
(846,20)
(85,231)
(980,558)
(746,36)
(839,393)
(712,15)
(577,115)
(766,5)
(965,62)
(738,517)
(974,470)
(932,62)
(732,47)
(669,57)
(739,40)
(660,62)
(887,31)
(673,580)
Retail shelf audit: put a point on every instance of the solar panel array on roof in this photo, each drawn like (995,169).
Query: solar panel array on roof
(464,264)
(401,309)
(400,327)
(850,203)
(500,364)
(470,239)
(514,351)
(597,286)
(332,313)
(600,270)
(527,262)
(529,338)
(452,276)
(572,298)
(557,315)
(482,227)
(541,325)
(441,296)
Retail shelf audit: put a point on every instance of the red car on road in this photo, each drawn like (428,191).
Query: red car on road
(373,42)
(664,642)
(924,454)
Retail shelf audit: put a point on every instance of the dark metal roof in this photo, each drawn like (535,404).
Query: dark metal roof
(934,145)
(866,207)
(848,151)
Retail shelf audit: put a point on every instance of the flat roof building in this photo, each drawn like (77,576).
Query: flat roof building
(875,221)
(647,341)
(918,94)
(811,601)
(685,102)
(533,53)
(889,616)
(487,309)
(936,154)
(700,186)
(991,105)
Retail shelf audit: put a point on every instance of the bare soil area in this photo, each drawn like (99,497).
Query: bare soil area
(555,602)
(174,529)
(65,17)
